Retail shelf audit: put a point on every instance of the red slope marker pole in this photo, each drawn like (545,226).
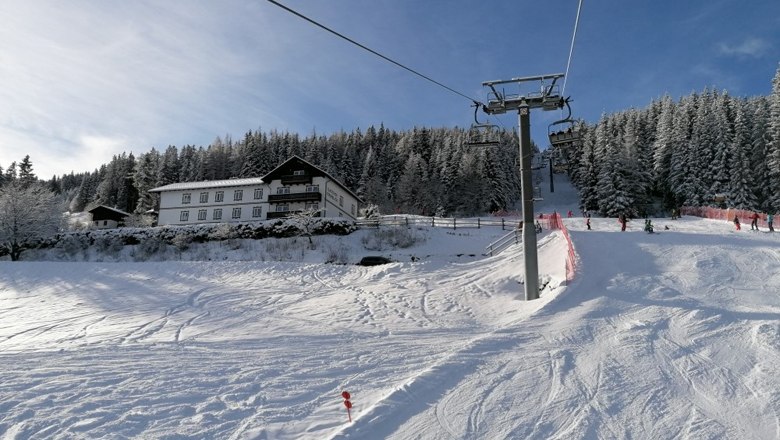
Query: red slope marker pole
(348,404)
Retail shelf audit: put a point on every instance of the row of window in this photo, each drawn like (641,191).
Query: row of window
(257,212)
(238,195)
(219,196)
(216,214)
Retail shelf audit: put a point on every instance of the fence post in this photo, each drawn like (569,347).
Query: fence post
(502,223)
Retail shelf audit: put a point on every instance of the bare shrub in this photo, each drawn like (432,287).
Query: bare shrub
(337,253)
(396,237)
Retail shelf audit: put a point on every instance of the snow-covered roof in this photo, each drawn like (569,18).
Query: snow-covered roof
(210,184)
(118,211)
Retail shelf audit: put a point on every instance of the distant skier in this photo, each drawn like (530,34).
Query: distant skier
(769,219)
(754,221)
(587,221)
(736,223)
(570,214)
(648,226)
(623,220)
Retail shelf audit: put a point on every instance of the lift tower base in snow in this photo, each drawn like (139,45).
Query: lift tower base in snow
(547,98)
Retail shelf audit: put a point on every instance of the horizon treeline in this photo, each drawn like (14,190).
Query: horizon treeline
(427,171)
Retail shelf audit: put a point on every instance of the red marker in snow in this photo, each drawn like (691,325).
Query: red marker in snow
(348,404)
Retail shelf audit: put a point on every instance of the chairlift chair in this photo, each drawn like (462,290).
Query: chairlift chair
(563,133)
(482,135)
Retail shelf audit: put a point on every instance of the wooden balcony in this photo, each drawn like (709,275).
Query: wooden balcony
(313,196)
(296,179)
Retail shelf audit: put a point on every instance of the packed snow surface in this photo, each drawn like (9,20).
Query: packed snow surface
(668,335)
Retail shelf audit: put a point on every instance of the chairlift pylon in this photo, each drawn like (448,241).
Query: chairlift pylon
(482,135)
(563,133)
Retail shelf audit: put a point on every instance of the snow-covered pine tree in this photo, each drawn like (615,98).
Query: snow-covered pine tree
(26,175)
(722,146)
(740,191)
(760,137)
(773,149)
(144,179)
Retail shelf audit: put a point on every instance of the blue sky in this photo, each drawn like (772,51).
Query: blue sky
(83,80)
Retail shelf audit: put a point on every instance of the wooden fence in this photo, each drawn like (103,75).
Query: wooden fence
(440,222)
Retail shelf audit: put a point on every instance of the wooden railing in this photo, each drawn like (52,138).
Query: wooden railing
(440,222)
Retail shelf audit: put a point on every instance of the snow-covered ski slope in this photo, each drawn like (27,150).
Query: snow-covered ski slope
(667,335)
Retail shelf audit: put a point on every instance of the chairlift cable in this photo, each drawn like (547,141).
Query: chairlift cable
(371,50)
(571,48)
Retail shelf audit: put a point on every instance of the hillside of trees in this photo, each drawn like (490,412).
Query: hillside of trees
(422,171)
(707,149)
(638,161)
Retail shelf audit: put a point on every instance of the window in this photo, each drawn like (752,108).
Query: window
(218,214)
(341,201)
(105,222)
(312,188)
(238,195)
(353,209)
(299,173)
(185,198)
(236,212)
(257,211)
(204,197)
(314,206)
(282,208)
(219,196)
(283,190)
(201,214)
(184,216)
(258,193)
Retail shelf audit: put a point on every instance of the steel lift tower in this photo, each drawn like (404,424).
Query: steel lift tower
(548,98)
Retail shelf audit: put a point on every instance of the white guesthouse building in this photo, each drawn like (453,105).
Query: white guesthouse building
(293,186)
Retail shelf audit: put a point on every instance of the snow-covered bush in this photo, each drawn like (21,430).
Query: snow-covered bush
(107,245)
(72,244)
(149,246)
(182,241)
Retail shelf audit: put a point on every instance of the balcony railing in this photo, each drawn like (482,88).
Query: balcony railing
(312,196)
(296,179)
(281,214)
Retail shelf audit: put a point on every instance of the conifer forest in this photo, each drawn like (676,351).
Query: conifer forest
(705,149)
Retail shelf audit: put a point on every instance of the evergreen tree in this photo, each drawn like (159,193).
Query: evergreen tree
(144,179)
(10,172)
(773,148)
(26,175)
(740,189)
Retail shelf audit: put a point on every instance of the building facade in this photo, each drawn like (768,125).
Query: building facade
(104,217)
(292,187)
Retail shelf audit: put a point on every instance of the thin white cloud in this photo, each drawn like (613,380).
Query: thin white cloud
(751,47)
(132,73)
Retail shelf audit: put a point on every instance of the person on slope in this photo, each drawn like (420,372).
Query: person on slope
(754,221)
(769,219)
(623,220)
(736,223)
(587,221)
